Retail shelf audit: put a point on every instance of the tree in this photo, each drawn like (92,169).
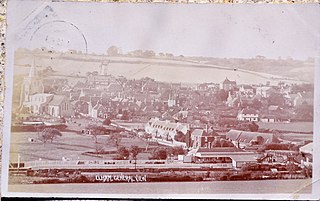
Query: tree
(301,88)
(178,150)
(222,95)
(226,143)
(113,51)
(123,153)
(260,140)
(160,154)
(276,99)
(134,150)
(253,127)
(96,130)
(256,104)
(107,121)
(125,115)
(49,134)
(248,126)
(115,138)
(147,137)
(148,53)
(180,137)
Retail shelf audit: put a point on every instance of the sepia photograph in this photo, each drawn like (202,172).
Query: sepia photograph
(161,100)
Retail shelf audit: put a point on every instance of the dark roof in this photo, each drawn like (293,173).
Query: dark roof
(247,86)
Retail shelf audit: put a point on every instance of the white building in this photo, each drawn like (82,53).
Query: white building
(247,114)
(166,130)
(263,91)
(38,102)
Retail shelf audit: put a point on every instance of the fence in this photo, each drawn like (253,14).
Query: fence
(119,164)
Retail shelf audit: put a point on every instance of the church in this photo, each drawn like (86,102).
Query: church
(35,101)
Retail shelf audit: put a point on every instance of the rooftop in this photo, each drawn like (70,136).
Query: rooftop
(57,100)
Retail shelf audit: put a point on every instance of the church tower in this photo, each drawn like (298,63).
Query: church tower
(31,84)
(103,68)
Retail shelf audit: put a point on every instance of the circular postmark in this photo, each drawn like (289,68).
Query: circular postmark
(59,35)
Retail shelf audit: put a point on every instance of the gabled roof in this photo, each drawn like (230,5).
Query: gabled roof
(201,132)
(247,137)
(308,148)
(219,149)
(79,85)
(227,81)
(57,100)
(41,95)
(197,132)
(94,100)
(247,86)
(307,95)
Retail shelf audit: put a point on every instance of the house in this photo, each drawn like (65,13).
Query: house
(31,84)
(81,107)
(51,104)
(268,118)
(300,98)
(248,114)
(97,81)
(150,85)
(243,139)
(227,157)
(232,100)
(92,102)
(60,106)
(98,111)
(228,85)
(307,149)
(201,138)
(246,90)
(166,130)
(264,91)
(38,103)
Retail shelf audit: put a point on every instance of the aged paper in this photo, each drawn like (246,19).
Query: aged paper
(161,100)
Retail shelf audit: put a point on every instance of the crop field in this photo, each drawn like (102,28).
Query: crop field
(290,127)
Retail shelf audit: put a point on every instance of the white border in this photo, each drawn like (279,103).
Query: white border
(7,124)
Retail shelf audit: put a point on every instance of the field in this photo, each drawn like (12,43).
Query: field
(135,68)
(70,145)
(290,127)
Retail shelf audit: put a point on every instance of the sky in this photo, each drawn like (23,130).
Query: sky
(211,30)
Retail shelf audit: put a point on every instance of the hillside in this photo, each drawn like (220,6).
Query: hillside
(175,69)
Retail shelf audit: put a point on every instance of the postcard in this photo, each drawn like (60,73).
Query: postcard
(120,100)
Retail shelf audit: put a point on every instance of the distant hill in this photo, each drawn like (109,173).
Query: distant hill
(173,69)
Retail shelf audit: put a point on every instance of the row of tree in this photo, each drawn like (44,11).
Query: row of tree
(116,51)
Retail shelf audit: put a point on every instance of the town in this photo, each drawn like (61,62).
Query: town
(219,131)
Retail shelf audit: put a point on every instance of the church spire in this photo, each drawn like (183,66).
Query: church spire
(33,71)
